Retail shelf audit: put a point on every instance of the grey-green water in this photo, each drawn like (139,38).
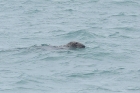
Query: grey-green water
(110,63)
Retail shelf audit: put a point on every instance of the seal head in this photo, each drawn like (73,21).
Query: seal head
(75,45)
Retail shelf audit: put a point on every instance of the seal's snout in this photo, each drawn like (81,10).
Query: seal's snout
(83,46)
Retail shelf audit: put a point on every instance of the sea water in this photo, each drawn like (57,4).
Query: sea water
(110,30)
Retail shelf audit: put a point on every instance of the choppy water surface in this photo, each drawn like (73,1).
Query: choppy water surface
(110,29)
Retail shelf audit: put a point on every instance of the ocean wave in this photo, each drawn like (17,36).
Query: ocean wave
(127,28)
(95,73)
(133,89)
(80,34)
(117,34)
(126,2)
(69,10)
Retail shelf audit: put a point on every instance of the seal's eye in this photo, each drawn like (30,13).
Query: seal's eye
(76,43)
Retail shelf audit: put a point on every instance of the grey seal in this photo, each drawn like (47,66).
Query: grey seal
(74,44)
(70,45)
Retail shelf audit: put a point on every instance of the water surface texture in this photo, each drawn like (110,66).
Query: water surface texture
(110,63)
